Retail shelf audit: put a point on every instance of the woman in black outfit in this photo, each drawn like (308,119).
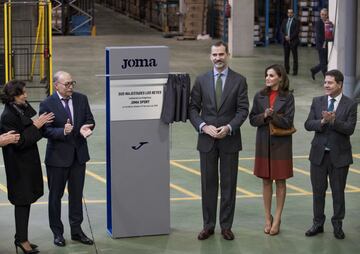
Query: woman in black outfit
(22,160)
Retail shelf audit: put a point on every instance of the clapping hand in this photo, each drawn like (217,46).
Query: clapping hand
(328,117)
(9,137)
(268,112)
(85,130)
(68,127)
(43,119)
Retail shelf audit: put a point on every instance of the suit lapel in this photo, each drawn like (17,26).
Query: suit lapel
(279,102)
(324,104)
(264,101)
(210,85)
(341,107)
(227,88)
(60,107)
(75,102)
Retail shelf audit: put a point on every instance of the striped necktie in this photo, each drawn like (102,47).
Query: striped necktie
(331,105)
(67,108)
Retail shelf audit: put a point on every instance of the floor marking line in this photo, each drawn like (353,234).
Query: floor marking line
(357,171)
(248,193)
(3,188)
(302,171)
(183,190)
(293,187)
(188,169)
(96,176)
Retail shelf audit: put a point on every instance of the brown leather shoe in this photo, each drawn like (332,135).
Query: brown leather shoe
(205,234)
(227,234)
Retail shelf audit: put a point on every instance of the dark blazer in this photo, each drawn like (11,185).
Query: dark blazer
(234,109)
(319,34)
(273,158)
(61,149)
(294,32)
(335,136)
(22,160)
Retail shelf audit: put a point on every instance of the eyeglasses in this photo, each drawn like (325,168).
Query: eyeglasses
(68,84)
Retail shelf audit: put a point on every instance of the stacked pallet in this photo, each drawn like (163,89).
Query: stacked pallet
(57,19)
(258,35)
(308,15)
(219,18)
(159,14)
(153,14)
(134,9)
(195,18)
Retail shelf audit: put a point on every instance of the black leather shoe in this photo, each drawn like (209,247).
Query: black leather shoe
(59,240)
(81,237)
(314,230)
(227,234)
(339,233)
(294,73)
(205,234)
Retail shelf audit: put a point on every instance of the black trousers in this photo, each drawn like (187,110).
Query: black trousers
(323,61)
(294,51)
(22,213)
(209,186)
(319,182)
(74,176)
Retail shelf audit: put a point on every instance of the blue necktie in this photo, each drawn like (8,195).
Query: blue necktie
(67,108)
(288,27)
(218,91)
(331,105)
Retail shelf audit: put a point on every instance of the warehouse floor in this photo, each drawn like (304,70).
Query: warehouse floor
(84,57)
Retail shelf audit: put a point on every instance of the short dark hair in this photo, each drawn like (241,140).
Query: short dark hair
(221,43)
(339,77)
(12,89)
(280,71)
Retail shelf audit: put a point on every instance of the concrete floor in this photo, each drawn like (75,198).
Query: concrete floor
(84,57)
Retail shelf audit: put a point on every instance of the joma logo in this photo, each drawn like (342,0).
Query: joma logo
(139,63)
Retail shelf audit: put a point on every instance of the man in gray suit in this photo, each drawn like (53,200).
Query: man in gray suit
(219,105)
(333,118)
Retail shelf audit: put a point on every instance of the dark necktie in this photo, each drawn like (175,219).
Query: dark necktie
(67,108)
(218,91)
(331,105)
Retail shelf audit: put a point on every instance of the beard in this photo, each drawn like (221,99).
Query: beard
(219,64)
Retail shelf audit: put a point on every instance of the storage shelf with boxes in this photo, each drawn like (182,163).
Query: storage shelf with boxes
(308,15)
(162,15)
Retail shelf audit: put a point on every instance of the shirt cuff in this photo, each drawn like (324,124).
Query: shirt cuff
(201,126)
(230,132)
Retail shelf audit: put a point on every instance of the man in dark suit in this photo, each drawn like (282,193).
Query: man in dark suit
(219,105)
(321,44)
(67,154)
(290,29)
(333,118)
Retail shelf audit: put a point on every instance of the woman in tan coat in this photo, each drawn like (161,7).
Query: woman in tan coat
(273,160)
